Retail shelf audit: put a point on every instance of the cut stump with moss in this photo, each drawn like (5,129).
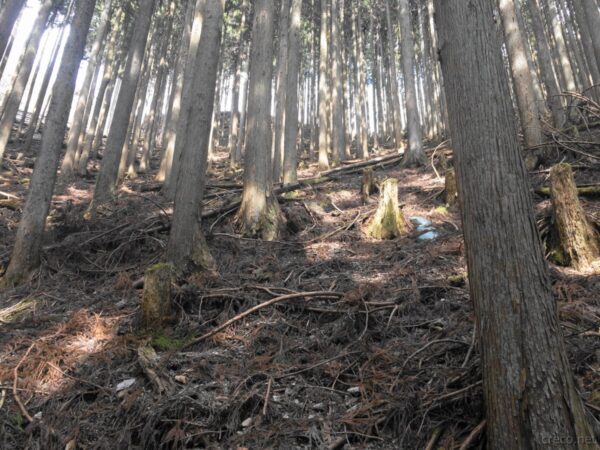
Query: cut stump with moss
(157,307)
(451,191)
(388,221)
(578,239)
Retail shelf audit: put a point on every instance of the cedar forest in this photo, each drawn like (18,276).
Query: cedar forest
(294,224)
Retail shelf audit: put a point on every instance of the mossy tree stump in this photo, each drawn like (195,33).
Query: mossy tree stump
(388,221)
(451,188)
(578,240)
(368,185)
(156,298)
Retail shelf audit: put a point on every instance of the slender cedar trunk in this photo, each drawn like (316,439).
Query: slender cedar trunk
(37,109)
(180,136)
(89,104)
(78,125)
(28,243)
(530,395)
(377,88)
(176,97)
(593,21)
(25,65)
(588,45)
(186,249)
(290,162)
(111,65)
(323,89)
(107,178)
(240,56)
(314,89)
(362,108)
(136,121)
(521,77)
(102,121)
(556,31)
(281,89)
(149,126)
(338,124)
(8,16)
(393,78)
(259,211)
(546,66)
(415,156)
(31,84)
(241,143)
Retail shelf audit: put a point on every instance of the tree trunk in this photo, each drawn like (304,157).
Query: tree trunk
(282,90)
(393,79)
(324,143)
(415,156)
(8,16)
(259,211)
(170,185)
(388,221)
(28,242)
(290,156)
(105,189)
(546,66)
(338,123)
(25,65)
(78,125)
(187,249)
(530,395)
(593,21)
(522,81)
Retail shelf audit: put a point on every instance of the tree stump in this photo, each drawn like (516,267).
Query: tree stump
(368,185)
(451,188)
(578,240)
(156,298)
(388,222)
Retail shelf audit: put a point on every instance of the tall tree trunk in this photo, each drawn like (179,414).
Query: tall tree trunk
(530,395)
(259,211)
(8,16)
(415,156)
(105,189)
(290,156)
(28,242)
(186,249)
(393,79)
(25,65)
(170,185)
(361,106)
(281,89)
(78,125)
(324,89)
(546,65)
(240,58)
(338,124)
(593,20)
(522,81)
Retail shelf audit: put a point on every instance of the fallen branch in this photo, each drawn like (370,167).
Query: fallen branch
(263,305)
(590,190)
(472,436)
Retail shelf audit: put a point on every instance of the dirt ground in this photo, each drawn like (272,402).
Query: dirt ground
(390,362)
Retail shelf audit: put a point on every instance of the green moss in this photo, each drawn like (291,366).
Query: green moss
(557,256)
(159,266)
(442,209)
(457,280)
(165,343)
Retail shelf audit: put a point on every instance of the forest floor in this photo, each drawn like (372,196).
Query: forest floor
(392,362)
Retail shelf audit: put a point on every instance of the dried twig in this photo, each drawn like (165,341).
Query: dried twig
(282,298)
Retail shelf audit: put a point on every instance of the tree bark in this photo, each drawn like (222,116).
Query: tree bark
(78,125)
(25,65)
(338,124)
(28,243)
(324,89)
(522,81)
(8,16)
(105,189)
(415,156)
(530,394)
(281,90)
(186,248)
(290,156)
(259,211)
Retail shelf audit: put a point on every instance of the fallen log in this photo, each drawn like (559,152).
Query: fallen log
(585,190)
